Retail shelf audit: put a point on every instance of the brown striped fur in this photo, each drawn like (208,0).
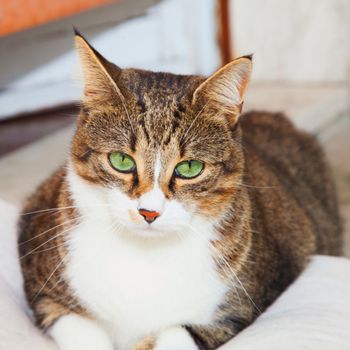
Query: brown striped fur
(265,182)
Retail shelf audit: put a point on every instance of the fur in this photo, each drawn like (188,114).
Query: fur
(226,243)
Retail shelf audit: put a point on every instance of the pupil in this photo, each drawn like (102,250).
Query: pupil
(190,164)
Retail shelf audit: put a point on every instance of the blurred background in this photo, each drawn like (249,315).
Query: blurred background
(301,67)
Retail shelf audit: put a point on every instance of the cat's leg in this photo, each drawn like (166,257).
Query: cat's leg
(213,336)
(193,337)
(173,338)
(74,332)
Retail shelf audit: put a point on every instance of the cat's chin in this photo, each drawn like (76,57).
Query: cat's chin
(150,232)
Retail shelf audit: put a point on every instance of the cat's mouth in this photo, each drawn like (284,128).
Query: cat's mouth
(149,231)
(146,230)
(141,227)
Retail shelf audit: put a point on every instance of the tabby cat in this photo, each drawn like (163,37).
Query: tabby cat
(175,221)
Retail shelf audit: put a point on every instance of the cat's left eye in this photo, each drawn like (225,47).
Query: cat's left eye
(189,169)
(122,162)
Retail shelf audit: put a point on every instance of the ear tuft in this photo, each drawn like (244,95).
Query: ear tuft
(223,91)
(249,56)
(76,31)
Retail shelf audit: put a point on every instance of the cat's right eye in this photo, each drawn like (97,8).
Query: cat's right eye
(122,162)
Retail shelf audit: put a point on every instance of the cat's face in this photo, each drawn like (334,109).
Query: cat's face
(158,150)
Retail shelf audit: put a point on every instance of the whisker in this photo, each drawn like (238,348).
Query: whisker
(240,282)
(233,274)
(50,229)
(59,208)
(48,279)
(47,210)
(41,245)
(60,262)
(70,239)
(252,186)
(234,287)
(51,248)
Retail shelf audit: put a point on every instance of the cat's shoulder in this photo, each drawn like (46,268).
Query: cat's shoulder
(47,192)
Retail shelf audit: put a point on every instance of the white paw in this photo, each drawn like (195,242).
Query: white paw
(73,332)
(176,338)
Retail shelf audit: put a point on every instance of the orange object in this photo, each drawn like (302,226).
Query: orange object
(17,15)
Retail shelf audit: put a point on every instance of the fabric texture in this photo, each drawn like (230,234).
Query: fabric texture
(314,312)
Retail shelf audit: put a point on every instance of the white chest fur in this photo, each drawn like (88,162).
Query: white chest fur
(135,286)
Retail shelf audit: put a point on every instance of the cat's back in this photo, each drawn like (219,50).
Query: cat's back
(286,168)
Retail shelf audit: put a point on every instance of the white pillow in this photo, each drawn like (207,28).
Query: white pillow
(16,330)
(314,313)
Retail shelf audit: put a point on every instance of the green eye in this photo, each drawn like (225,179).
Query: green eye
(189,169)
(122,162)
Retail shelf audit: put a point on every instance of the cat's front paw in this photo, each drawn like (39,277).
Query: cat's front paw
(175,338)
(146,344)
(73,332)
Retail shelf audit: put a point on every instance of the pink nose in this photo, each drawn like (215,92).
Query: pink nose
(149,215)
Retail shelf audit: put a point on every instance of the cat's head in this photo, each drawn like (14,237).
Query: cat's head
(158,150)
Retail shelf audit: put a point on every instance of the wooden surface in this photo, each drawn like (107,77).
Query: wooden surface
(18,15)
(224,31)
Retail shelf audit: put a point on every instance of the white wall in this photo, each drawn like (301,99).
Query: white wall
(299,41)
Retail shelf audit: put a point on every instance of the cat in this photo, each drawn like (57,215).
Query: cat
(176,220)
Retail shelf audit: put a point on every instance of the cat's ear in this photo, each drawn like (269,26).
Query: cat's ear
(222,93)
(99,75)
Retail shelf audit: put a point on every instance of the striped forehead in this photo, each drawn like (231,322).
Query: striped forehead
(157,127)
